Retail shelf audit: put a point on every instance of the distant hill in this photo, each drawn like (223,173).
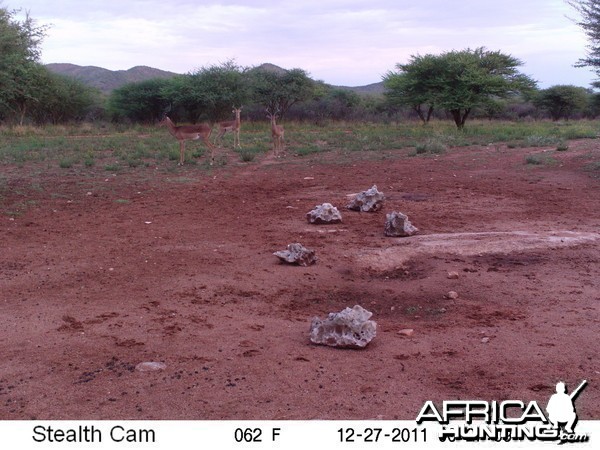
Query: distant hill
(268,67)
(106,80)
(370,89)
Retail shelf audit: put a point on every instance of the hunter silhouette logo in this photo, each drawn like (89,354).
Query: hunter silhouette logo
(561,407)
(508,420)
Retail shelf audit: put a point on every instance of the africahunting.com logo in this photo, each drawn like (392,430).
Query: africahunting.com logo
(509,420)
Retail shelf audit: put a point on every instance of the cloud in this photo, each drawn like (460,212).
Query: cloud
(339,41)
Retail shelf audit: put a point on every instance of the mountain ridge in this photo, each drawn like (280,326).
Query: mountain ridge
(107,80)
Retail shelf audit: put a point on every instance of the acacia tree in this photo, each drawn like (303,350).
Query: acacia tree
(279,91)
(207,94)
(414,85)
(27,89)
(141,102)
(562,101)
(19,53)
(459,81)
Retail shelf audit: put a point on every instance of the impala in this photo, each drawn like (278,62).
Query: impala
(276,132)
(187,133)
(231,125)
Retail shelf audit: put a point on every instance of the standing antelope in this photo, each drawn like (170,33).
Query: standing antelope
(190,132)
(231,125)
(276,132)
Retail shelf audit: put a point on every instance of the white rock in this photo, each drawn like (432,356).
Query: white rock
(297,254)
(398,225)
(150,366)
(348,328)
(367,201)
(325,213)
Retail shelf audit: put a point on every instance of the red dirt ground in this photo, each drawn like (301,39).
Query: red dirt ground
(100,272)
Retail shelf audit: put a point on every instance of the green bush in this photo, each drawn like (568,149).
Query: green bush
(432,146)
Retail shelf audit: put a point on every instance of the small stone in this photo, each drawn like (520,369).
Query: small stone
(406,332)
(325,213)
(452,275)
(485,340)
(150,366)
(451,295)
(297,254)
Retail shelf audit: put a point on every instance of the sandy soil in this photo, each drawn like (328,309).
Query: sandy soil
(100,272)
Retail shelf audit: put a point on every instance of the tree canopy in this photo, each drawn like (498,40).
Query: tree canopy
(210,92)
(27,89)
(456,82)
(19,53)
(144,101)
(590,24)
(280,91)
(415,84)
(563,101)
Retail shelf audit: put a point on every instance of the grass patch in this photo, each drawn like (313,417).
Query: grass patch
(538,160)
(136,146)
(541,141)
(308,149)
(432,146)
(112,168)
(248,154)
(66,163)
(533,160)
(594,168)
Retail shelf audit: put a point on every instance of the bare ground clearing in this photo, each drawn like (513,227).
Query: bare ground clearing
(99,272)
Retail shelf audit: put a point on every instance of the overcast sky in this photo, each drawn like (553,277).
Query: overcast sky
(342,42)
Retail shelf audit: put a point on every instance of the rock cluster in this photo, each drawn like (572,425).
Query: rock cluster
(325,213)
(398,225)
(367,201)
(297,254)
(350,328)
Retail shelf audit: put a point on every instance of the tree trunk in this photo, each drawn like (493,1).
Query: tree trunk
(429,113)
(418,110)
(23,111)
(424,119)
(459,117)
(464,118)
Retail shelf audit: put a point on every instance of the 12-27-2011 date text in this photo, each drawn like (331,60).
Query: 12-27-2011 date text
(406,435)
